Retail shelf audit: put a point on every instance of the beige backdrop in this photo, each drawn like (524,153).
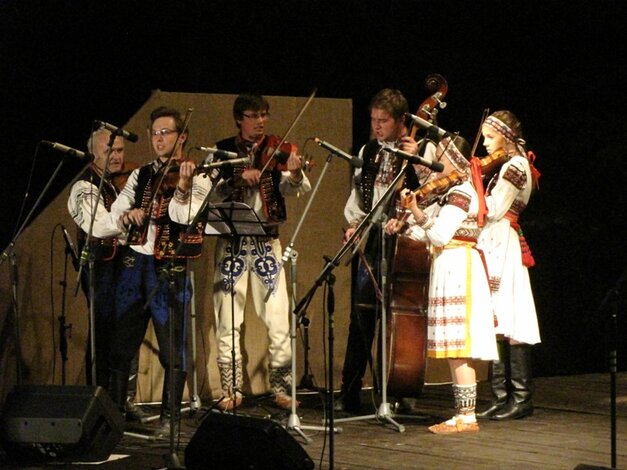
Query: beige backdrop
(40,255)
(40,259)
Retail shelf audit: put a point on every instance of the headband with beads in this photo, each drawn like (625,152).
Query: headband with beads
(454,155)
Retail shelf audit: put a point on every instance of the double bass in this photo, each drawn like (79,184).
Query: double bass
(408,288)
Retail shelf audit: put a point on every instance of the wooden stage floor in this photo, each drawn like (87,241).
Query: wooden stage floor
(571,427)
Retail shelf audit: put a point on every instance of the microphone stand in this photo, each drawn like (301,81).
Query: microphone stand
(9,253)
(326,276)
(172,460)
(63,328)
(289,254)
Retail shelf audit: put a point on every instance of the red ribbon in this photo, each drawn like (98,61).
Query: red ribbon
(535,174)
(477,181)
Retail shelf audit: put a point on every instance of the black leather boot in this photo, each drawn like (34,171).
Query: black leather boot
(134,412)
(118,383)
(498,381)
(349,399)
(167,420)
(519,404)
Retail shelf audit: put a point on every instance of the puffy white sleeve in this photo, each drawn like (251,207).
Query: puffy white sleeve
(82,203)
(353,210)
(512,179)
(184,207)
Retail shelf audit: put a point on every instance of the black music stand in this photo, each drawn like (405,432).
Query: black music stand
(233,219)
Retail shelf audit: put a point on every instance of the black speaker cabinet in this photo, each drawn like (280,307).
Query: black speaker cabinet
(60,423)
(241,442)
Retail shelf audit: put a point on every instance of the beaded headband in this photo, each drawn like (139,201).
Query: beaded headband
(500,127)
(454,155)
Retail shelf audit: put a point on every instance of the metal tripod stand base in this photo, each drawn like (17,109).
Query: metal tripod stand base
(384,412)
(293,424)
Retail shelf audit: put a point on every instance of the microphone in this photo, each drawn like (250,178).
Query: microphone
(431,127)
(118,131)
(70,247)
(221,163)
(434,166)
(356,162)
(217,152)
(64,148)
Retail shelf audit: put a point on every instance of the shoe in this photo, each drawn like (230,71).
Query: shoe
(513,410)
(135,414)
(453,426)
(163,431)
(520,404)
(284,402)
(229,403)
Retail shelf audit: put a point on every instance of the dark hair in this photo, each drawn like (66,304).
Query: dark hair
(249,101)
(392,101)
(165,111)
(462,145)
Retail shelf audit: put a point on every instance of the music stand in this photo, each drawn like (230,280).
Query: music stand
(235,220)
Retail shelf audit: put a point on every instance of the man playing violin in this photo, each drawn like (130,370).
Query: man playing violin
(143,205)
(81,205)
(261,184)
(387,120)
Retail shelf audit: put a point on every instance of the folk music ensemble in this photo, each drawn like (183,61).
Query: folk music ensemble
(146,222)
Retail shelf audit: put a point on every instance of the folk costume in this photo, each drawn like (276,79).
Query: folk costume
(460,323)
(369,183)
(253,261)
(147,266)
(508,258)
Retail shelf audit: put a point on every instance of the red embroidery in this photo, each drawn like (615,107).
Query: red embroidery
(460,200)
(514,175)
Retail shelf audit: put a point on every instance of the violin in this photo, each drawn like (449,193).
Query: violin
(119,179)
(491,164)
(433,189)
(274,158)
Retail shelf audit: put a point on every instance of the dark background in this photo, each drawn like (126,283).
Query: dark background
(559,66)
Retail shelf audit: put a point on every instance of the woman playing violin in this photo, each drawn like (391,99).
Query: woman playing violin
(261,184)
(460,324)
(508,259)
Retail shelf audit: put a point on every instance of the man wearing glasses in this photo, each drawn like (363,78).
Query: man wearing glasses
(147,266)
(253,259)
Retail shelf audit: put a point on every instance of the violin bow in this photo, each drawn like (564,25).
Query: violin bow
(289,129)
(475,144)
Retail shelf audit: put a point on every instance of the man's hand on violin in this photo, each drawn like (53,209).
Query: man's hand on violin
(294,166)
(186,174)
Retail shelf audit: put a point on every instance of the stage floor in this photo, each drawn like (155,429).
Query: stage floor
(571,426)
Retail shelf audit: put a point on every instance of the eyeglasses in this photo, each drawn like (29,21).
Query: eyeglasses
(162,132)
(263,115)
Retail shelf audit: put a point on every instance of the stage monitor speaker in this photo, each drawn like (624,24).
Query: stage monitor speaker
(241,442)
(55,423)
